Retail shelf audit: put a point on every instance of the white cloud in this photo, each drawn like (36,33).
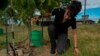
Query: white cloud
(91,2)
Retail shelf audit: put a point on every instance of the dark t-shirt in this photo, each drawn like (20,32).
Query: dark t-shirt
(62,27)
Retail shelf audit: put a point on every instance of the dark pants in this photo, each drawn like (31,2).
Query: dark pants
(58,40)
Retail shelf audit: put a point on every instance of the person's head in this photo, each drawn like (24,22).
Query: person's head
(74,7)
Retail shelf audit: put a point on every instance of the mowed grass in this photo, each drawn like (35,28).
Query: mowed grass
(88,39)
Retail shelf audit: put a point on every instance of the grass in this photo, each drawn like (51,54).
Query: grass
(88,37)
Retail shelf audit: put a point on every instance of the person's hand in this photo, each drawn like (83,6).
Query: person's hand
(76,52)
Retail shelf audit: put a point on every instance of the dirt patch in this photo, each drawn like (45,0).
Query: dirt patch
(37,51)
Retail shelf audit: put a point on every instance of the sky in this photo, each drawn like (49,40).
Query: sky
(91,3)
(92,9)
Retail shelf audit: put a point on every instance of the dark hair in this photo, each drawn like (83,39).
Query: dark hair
(74,7)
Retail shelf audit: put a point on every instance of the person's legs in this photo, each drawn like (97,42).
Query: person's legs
(62,44)
(53,36)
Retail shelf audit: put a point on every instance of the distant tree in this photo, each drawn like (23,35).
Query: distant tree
(99,21)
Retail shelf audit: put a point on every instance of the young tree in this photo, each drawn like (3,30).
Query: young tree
(27,7)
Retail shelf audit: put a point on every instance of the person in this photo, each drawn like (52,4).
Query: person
(58,31)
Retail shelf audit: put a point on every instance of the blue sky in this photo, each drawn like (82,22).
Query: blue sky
(93,9)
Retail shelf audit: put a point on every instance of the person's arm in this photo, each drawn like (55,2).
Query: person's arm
(75,39)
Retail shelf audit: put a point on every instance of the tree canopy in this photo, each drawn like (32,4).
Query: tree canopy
(25,8)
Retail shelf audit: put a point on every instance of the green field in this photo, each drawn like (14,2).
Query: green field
(88,38)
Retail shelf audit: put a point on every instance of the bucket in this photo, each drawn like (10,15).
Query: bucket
(1,31)
(36,38)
